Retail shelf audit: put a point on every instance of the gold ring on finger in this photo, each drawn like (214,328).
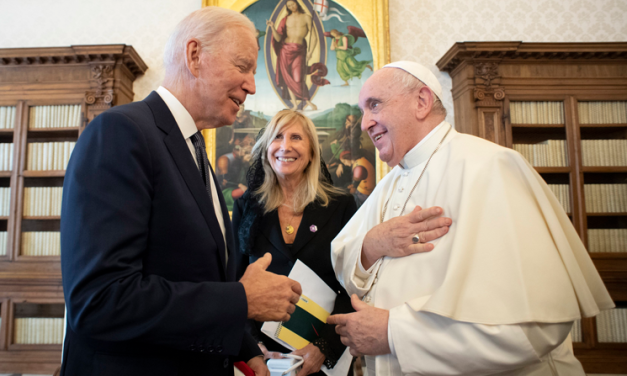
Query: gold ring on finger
(415,239)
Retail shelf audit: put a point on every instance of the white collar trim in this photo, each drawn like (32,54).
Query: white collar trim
(179,112)
(424,148)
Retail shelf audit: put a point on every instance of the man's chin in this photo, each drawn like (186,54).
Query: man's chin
(230,120)
(386,159)
(391,161)
(224,123)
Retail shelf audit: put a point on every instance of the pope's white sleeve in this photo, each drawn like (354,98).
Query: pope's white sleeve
(428,344)
(346,257)
(347,245)
(363,278)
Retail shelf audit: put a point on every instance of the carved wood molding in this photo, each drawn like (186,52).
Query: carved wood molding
(486,71)
(486,91)
(489,98)
(87,54)
(101,75)
(498,51)
(100,99)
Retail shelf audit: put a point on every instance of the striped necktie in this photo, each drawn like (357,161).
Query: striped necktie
(203,167)
(203,161)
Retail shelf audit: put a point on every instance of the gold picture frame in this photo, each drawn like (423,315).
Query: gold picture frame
(373,16)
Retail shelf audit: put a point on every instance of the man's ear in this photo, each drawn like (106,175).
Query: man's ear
(424,102)
(192,56)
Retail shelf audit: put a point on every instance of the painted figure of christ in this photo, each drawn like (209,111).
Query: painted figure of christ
(293,54)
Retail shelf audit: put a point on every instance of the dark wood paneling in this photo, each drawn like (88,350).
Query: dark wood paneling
(31,286)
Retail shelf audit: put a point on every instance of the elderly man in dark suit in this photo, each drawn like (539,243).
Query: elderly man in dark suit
(147,247)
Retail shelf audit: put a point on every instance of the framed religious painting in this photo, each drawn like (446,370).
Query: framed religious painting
(314,56)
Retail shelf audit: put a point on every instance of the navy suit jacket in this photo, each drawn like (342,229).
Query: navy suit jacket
(147,287)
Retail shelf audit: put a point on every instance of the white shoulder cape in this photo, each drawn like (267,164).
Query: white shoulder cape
(511,256)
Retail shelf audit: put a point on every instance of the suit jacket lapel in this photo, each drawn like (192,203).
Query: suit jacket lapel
(181,155)
(271,229)
(314,215)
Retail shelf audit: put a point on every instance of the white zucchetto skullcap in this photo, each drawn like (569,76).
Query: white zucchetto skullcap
(420,72)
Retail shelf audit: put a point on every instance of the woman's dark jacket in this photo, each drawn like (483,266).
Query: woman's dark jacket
(312,246)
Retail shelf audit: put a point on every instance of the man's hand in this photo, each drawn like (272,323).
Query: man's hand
(393,238)
(258,365)
(313,359)
(270,297)
(364,331)
(269,354)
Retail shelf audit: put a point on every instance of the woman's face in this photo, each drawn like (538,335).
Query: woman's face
(290,152)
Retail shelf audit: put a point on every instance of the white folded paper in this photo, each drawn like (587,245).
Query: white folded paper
(318,291)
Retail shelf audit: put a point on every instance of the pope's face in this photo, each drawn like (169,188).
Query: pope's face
(226,77)
(387,116)
(290,152)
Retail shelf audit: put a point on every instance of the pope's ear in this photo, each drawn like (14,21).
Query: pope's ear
(192,56)
(424,102)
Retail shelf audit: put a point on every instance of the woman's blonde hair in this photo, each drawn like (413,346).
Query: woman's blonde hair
(314,185)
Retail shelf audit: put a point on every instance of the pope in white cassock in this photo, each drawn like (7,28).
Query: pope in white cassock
(495,295)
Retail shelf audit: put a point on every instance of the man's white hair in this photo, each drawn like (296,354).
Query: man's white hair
(411,84)
(209,25)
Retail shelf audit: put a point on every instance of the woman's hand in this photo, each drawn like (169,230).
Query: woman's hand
(313,359)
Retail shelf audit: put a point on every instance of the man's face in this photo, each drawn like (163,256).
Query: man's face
(226,77)
(291,5)
(388,117)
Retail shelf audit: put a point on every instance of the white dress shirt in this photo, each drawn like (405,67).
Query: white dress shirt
(188,128)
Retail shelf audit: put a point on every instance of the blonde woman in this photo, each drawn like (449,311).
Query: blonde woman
(292,211)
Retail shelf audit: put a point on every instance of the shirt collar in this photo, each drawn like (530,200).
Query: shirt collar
(179,112)
(421,152)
